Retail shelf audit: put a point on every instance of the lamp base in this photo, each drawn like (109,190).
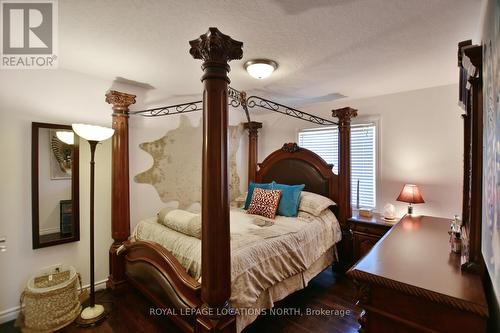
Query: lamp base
(410,209)
(91,315)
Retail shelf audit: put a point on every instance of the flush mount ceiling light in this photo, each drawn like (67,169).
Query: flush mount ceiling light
(260,68)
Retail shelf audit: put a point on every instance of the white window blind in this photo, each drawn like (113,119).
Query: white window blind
(324,142)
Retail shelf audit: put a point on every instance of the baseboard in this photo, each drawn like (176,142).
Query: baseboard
(12,313)
(9,314)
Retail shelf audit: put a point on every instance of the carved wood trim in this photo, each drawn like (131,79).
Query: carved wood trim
(290,147)
(471,99)
(363,295)
(368,278)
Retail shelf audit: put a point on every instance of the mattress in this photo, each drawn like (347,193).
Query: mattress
(269,258)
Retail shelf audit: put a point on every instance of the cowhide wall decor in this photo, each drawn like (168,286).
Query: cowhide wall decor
(176,169)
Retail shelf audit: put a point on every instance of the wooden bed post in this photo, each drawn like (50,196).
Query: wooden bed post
(344,115)
(253,148)
(120,195)
(344,192)
(216,50)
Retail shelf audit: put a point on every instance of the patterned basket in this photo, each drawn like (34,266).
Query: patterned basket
(53,307)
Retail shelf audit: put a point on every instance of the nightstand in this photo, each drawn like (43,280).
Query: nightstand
(366,231)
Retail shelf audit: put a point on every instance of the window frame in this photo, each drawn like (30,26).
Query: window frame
(375,120)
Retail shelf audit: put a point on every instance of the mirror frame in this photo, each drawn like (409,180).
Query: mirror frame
(75,187)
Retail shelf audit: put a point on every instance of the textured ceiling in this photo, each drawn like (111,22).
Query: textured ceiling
(355,48)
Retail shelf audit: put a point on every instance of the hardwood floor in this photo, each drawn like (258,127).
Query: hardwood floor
(328,291)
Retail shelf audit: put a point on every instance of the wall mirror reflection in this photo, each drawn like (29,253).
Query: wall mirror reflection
(55,185)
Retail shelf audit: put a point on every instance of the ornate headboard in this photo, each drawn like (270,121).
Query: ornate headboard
(295,165)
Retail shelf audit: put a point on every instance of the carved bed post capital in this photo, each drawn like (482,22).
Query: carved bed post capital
(216,50)
(120,101)
(120,199)
(345,115)
(252,127)
(253,148)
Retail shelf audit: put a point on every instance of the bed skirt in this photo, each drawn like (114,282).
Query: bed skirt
(282,289)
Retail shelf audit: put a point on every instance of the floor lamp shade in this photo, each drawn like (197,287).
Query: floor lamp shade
(92,132)
(67,137)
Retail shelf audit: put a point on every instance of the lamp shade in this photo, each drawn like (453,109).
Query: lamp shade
(66,136)
(411,194)
(93,133)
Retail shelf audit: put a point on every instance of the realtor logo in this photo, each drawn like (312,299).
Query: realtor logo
(29,34)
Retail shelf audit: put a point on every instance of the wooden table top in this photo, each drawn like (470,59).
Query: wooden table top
(376,219)
(415,256)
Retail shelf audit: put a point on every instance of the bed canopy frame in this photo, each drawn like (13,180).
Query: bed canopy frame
(150,267)
(236,99)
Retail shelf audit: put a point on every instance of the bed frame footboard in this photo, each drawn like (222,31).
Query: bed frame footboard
(156,273)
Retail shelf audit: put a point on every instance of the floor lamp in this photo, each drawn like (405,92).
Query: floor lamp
(93,134)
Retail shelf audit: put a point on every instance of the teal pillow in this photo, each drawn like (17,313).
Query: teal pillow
(251,186)
(290,198)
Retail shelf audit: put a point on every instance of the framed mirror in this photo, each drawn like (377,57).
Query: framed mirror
(55,185)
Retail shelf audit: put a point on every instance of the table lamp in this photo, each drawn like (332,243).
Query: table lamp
(410,194)
(93,134)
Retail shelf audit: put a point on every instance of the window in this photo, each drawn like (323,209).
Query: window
(324,142)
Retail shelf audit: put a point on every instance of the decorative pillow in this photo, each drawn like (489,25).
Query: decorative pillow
(251,187)
(264,202)
(290,198)
(185,222)
(313,203)
(163,213)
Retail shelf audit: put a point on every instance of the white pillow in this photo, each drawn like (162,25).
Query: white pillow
(163,213)
(183,221)
(313,203)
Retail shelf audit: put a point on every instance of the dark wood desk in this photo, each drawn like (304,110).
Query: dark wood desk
(411,282)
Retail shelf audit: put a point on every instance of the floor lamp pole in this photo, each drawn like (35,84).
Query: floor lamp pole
(93,313)
(93,145)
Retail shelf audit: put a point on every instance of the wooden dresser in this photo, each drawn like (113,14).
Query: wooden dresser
(411,282)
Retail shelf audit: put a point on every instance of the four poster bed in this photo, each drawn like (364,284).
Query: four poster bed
(205,304)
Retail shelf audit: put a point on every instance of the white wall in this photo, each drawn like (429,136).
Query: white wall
(58,97)
(420,141)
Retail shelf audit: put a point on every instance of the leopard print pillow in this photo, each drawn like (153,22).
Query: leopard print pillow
(264,202)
